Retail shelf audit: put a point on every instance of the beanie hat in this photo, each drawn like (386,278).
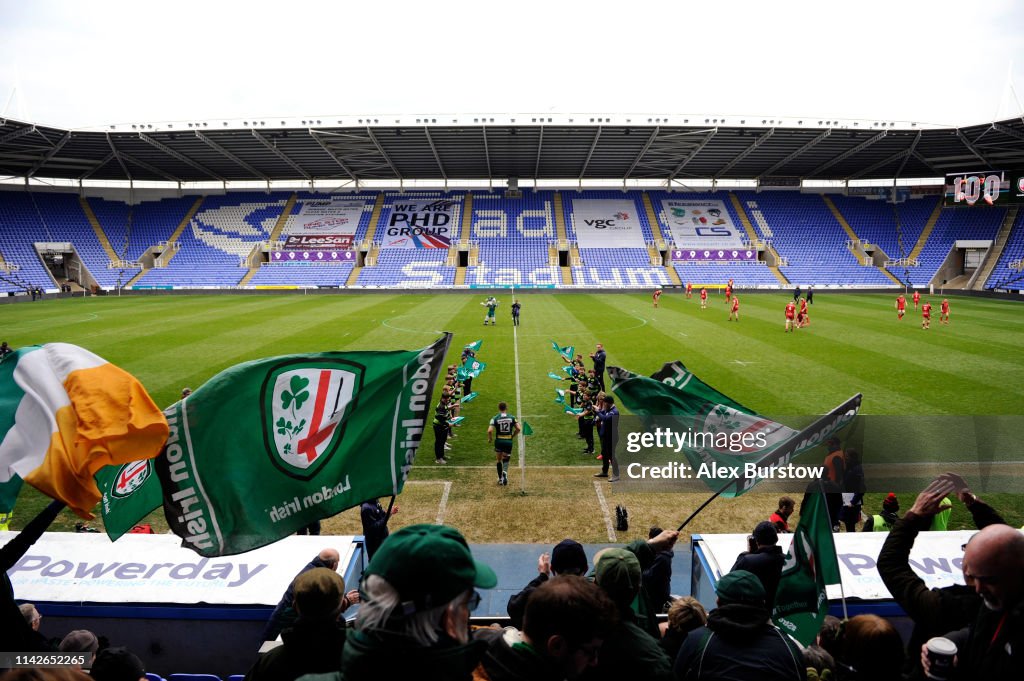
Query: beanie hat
(79,641)
(429,565)
(765,534)
(318,593)
(891,503)
(568,557)
(740,586)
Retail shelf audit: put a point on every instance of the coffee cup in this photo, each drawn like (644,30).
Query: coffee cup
(941,652)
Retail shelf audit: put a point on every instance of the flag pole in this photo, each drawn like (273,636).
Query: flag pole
(391,504)
(842,593)
(704,505)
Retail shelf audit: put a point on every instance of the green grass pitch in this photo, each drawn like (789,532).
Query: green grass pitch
(973,367)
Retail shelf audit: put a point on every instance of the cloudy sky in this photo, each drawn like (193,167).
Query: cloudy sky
(81,64)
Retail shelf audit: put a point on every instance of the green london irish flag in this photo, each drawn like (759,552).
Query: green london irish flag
(800,601)
(675,398)
(268,446)
(128,494)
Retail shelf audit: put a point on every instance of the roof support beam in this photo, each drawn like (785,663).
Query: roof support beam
(227,154)
(922,159)
(590,153)
(487,155)
(693,153)
(913,146)
(153,169)
(50,154)
(847,154)
(110,157)
(1008,131)
(281,155)
(540,147)
(650,140)
(973,149)
(117,155)
(784,162)
(330,152)
(181,157)
(746,152)
(15,134)
(380,150)
(437,157)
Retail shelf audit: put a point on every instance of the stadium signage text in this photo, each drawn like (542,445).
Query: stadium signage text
(321,242)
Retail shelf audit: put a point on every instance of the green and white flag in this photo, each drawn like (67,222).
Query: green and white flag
(268,446)
(469,398)
(474,346)
(456,420)
(560,399)
(567,352)
(129,493)
(800,601)
(724,433)
(473,367)
(527,430)
(555,376)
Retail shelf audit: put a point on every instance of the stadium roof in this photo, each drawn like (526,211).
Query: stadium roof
(512,147)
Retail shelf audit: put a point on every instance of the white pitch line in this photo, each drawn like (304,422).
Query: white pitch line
(519,404)
(604,510)
(442,507)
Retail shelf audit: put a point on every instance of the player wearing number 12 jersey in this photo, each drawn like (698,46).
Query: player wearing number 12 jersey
(502,429)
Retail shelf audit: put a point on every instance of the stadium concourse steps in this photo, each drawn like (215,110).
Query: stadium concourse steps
(1003,275)
(512,240)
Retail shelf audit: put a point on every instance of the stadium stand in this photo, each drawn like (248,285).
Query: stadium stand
(1009,271)
(513,237)
(875,221)
(23,224)
(954,224)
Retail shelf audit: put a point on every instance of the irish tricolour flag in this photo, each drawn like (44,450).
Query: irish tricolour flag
(65,413)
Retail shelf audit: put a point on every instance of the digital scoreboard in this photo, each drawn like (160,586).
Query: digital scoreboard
(985,188)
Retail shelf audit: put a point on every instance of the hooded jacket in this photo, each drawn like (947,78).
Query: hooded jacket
(739,643)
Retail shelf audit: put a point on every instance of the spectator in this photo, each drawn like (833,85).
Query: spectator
(781,516)
(991,647)
(885,521)
(31,615)
(5,349)
(117,664)
(835,461)
(567,620)
(628,651)
(284,614)
(684,615)
(764,559)
(830,636)
(567,558)
(413,623)
(820,664)
(934,611)
(657,577)
(853,491)
(185,392)
(739,642)
(833,498)
(608,428)
(872,650)
(313,645)
(375,524)
(45,674)
(81,641)
(600,357)
(17,634)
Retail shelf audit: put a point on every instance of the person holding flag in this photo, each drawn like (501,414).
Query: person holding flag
(502,429)
(491,304)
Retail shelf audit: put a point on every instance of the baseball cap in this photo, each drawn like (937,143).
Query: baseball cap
(618,573)
(765,533)
(429,565)
(318,593)
(567,556)
(740,586)
(117,664)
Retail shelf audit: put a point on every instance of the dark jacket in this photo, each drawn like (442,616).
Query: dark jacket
(309,648)
(17,633)
(934,611)
(517,602)
(992,647)
(766,564)
(284,614)
(738,644)
(381,656)
(629,652)
(375,526)
(515,661)
(600,357)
